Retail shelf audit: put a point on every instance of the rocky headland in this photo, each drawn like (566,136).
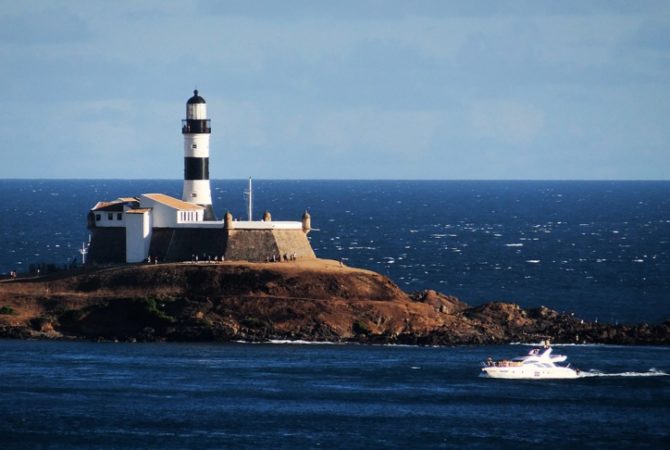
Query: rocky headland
(310,300)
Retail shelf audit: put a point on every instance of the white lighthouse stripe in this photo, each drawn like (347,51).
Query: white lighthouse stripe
(196,145)
(197,191)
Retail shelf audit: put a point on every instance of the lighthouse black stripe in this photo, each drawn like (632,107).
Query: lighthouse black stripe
(196,168)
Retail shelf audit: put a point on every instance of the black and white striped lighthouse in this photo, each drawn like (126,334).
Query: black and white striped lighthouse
(196,130)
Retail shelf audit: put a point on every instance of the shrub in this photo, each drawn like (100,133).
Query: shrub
(360,327)
(71,315)
(7,310)
(252,322)
(151,306)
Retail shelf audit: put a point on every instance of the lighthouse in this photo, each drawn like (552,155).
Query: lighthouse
(196,130)
(162,228)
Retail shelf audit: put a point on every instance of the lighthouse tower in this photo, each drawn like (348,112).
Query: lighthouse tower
(196,130)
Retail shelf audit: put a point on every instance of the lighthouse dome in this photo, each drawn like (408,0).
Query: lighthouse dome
(196,109)
(196,98)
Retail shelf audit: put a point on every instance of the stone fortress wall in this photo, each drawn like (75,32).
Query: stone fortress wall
(186,244)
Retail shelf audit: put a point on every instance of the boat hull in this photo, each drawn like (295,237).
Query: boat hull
(530,373)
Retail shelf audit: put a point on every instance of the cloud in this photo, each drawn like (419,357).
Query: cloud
(360,10)
(426,87)
(507,121)
(393,133)
(50,27)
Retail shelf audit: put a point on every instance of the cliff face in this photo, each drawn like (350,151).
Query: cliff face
(313,300)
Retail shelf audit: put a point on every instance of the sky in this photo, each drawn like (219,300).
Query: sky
(303,89)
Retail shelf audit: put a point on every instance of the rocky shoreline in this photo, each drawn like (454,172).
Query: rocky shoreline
(315,300)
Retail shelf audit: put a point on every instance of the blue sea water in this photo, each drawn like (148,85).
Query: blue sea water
(600,249)
(70,395)
(596,248)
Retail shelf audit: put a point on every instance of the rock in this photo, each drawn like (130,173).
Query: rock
(442,303)
(305,300)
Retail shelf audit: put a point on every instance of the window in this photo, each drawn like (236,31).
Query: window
(110,216)
(97,217)
(119,216)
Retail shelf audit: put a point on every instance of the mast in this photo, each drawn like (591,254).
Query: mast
(250,198)
(84,251)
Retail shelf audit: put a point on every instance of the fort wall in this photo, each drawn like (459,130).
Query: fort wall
(108,245)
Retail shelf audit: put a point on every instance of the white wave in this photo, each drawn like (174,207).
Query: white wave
(289,341)
(540,344)
(300,342)
(514,245)
(650,373)
(533,261)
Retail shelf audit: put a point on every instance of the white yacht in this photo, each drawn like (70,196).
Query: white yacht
(538,364)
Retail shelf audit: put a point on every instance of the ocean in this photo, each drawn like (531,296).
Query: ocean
(84,395)
(599,249)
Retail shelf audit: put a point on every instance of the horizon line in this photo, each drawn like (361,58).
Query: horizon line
(347,179)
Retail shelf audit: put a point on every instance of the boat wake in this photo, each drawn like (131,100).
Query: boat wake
(299,342)
(650,373)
